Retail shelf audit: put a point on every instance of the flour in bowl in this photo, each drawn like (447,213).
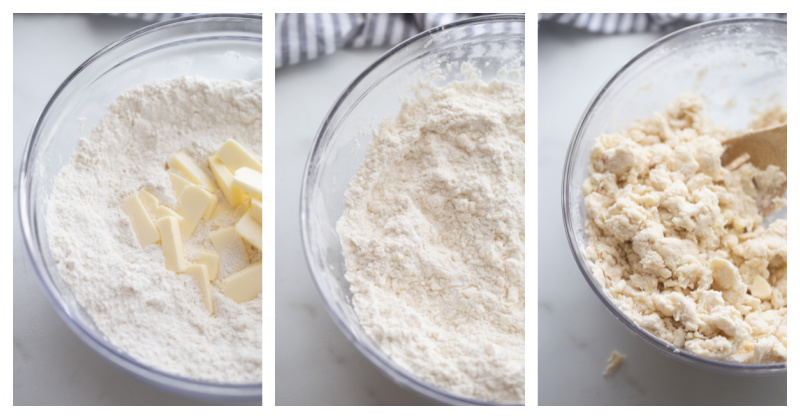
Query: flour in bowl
(434,239)
(156,316)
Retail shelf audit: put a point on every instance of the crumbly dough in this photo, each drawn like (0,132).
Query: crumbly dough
(677,242)
(613,363)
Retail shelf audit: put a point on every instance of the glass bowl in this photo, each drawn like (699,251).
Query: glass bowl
(212,46)
(490,44)
(735,65)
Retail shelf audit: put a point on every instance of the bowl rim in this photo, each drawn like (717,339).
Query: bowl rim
(664,347)
(396,373)
(194,387)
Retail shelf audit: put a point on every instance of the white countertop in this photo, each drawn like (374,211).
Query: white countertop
(314,363)
(573,351)
(52,366)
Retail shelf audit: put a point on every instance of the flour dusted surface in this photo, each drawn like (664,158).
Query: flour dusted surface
(433,235)
(155,315)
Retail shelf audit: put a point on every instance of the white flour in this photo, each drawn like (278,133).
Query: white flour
(434,239)
(153,314)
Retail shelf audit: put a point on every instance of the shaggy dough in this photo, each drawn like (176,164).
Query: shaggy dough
(676,240)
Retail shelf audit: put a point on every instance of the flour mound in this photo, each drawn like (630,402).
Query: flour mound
(434,239)
(155,315)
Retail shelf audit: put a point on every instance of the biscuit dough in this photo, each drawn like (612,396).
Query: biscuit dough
(677,242)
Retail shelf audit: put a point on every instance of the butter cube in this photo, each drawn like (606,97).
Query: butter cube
(760,288)
(243,285)
(171,244)
(210,207)
(249,229)
(149,201)
(235,157)
(255,210)
(179,183)
(248,180)
(185,165)
(224,178)
(211,261)
(200,274)
(230,248)
(163,211)
(194,202)
(146,233)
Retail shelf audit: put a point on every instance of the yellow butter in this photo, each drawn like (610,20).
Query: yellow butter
(171,244)
(249,229)
(179,183)
(235,157)
(255,211)
(149,201)
(200,274)
(194,202)
(223,238)
(210,207)
(224,178)
(189,170)
(211,261)
(248,180)
(143,227)
(243,285)
(163,211)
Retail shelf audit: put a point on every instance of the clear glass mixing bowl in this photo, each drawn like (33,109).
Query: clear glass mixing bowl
(735,65)
(490,44)
(212,46)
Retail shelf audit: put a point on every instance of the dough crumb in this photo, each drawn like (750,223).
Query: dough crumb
(614,362)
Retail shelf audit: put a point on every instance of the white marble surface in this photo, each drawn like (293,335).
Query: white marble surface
(576,332)
(52,366)
(314,363)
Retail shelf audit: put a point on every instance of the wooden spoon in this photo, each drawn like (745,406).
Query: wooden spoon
(761,148)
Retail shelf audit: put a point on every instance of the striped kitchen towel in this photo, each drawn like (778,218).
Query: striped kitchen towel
(305,36)
(614,23)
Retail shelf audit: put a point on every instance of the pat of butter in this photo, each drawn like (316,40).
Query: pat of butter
(184,164)
(760,288)
(235,157)
(248,180)
(194,202)
(163,211)
(255,210)
(146,233)
(249,229)
(149,201)
(200,274)
(179,183)
(224,178)
(243,285)
(210,207)
(171,244)
(211,261)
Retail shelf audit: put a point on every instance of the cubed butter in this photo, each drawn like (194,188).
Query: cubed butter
(224,178)
(230,248)
(149,201)
(200,274)
(235,157)
(189,170)
(249,229)
(211,261)
(210,207)
(760,288)
(179,183)
(194,201)
(143,227)
(224,238)
(255,210)
(163,211)
(248,180)
(243,285)
(172,244)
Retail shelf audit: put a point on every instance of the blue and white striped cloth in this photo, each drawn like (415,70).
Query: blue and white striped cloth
(305,36)
(614,23)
